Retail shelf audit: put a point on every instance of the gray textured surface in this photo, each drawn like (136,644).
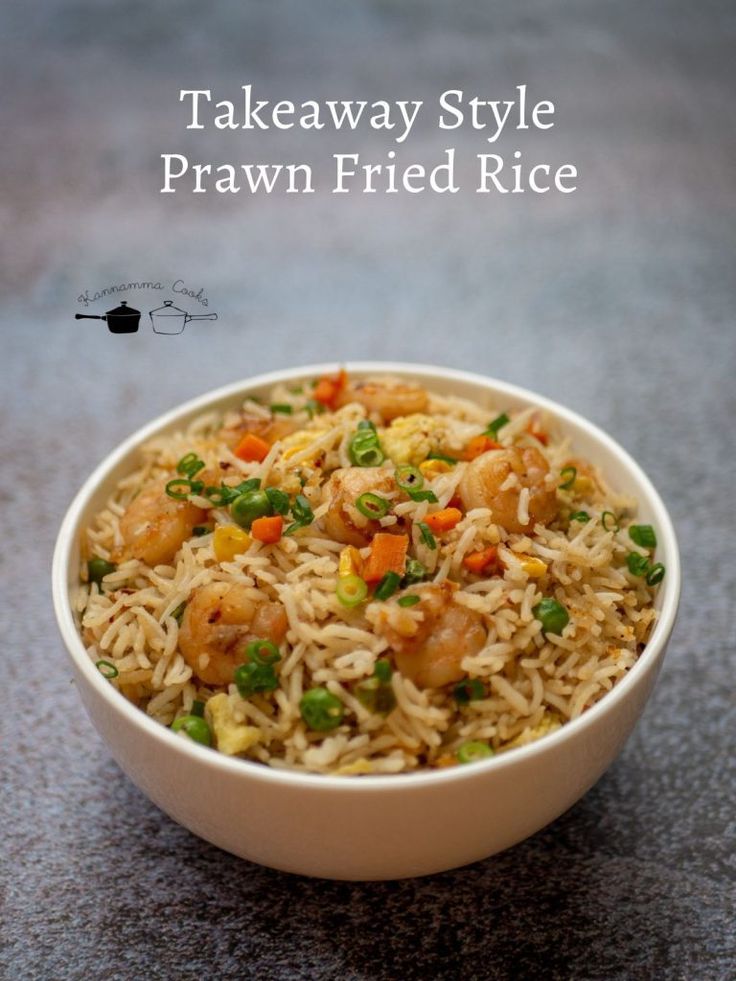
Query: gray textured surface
(617,300)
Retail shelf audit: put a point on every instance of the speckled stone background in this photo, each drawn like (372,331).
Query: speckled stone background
(617,300)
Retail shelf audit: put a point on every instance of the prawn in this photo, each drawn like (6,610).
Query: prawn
(219,621)
(429,652)
(483,486)
(343,521)
(154,526)
(388,397)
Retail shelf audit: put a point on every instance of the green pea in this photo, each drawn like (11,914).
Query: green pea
(321,710)
(195,727)
(472,751)
(98,568)
(249,506)
(552,615)
(469,690)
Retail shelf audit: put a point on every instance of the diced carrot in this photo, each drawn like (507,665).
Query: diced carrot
(480,444)
(444,520)
(267,530)
(479,562)
(387,554)
(252,449)
(329,387)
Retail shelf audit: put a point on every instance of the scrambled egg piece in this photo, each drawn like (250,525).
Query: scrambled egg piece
(298,441)
(550,722)
(232,736)
(409,439)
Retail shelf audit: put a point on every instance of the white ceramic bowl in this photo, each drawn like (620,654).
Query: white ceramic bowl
(381,827)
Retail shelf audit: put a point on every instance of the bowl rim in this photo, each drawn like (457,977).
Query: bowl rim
(67,541)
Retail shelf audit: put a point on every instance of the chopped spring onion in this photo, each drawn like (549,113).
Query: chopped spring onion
(409,478)
(98,568)
(249,506)
(568,475)
(498,423)
(372,506)
(609,521)
(351,591)
(107,669)
(192,487)
(472,751)
(638,565)
(302,512)
(441,456)
(364,449)
(195,727)
(387,586)
(178,613)
(376,693)
(581,516)
(189,465)
(643,535)
(279,500)
(414,572)
(411,599)
(199,530)
(197,709)
(321,710)
(256,648)
(382,669)
(423,495)
(367,424)
(427,536)
(313,408)
(469,690)
(283,407)
(552,615)
(655,574)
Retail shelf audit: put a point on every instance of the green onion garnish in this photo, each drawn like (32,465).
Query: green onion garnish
(472,751)
(197,709)
(364,449)
(609,521)
(498,423)
(279,500)
(313,408)
(387,586)
(643,535)
(469,690)
(283,407)
(195,727)
(302,513)
(192,487)
(655,574)
(409,478)
(98,568)
(568,475)
(199,530)
(178,613)
(637,564)
(107,669)
(427,536)
(411,599)
(189,465)
(351,591)
(376,695)
(423,495)
(414,572)
(581,516)
(441,456)
(552,615)
(382,669)
(372,506)
(321,710)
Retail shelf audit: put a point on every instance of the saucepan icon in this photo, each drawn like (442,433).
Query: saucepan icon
(169,319)
(121,320)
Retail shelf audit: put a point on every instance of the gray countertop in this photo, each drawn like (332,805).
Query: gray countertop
(617,300)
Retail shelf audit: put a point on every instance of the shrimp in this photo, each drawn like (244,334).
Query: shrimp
(155,526)
(429,652)
(219,621)
(482,486)
(343,520)
(388,397)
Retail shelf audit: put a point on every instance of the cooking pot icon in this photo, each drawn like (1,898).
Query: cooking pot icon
(121,320)
(169,319)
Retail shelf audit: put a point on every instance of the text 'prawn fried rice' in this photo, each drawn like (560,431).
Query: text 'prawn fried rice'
(361,576)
